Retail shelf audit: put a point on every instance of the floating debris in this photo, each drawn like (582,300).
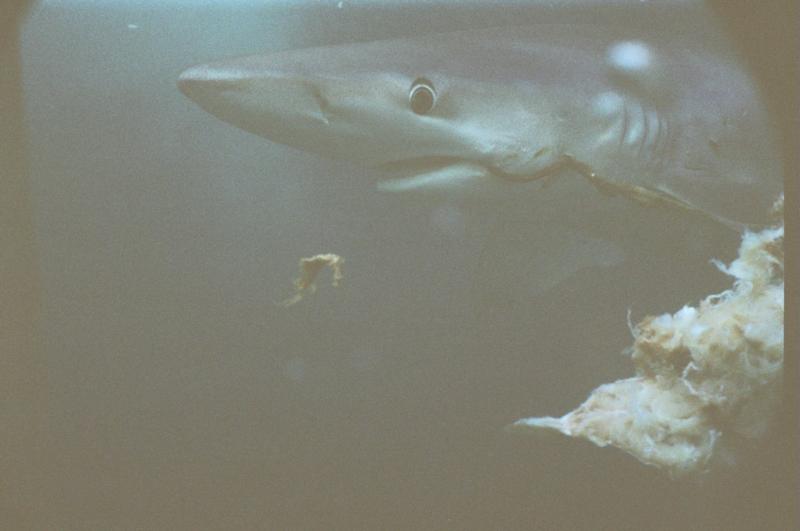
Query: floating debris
(703,374)
(309,269)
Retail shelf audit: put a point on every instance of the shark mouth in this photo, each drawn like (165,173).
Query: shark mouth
(432,173)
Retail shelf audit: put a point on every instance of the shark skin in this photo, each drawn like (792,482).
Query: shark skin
(512,105)
(575,119)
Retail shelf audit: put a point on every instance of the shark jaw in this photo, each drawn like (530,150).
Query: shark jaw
(447,174)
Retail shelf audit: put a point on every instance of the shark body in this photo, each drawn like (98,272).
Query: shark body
(503,112)
(495,109)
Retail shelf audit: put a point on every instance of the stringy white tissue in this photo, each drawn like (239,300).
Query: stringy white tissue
(704,374)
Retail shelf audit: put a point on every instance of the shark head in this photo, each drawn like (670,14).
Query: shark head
(479,112)
(431,113)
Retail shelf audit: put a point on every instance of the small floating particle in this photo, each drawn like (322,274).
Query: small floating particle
(309,269)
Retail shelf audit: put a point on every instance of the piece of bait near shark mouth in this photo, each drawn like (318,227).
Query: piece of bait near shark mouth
(707,377)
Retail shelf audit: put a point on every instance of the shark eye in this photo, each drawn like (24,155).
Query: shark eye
(421,97)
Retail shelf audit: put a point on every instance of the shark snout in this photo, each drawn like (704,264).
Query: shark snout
(266,98)
(202,81)
(188,81)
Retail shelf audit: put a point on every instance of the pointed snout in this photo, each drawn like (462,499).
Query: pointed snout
(199,82)
(262,95)
(189,80)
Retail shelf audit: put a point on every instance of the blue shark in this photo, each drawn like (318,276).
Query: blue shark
(566,115)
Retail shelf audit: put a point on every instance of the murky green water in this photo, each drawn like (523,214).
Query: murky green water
(179,395)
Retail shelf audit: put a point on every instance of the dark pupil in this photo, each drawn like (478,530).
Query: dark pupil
(421,100)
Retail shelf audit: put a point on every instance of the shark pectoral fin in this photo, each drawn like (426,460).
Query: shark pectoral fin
(567,252)
(445,178)
(531,257)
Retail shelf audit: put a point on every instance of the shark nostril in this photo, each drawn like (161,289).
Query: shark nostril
(322,103)
(321,100)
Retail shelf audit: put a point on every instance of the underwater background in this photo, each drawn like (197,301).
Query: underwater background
(170,391)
